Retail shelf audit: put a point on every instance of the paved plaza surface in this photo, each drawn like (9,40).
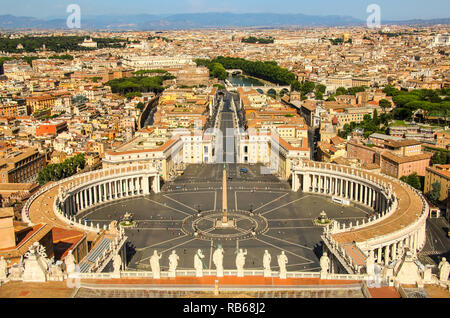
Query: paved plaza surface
(289,216)
(267,215)
(437,244)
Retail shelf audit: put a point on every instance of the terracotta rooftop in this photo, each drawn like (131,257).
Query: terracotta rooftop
(384,292)
(17,186)
(402,143)
(64,240)
(223,281)
(443,170)
(404,159)
(35,234)
(6,212)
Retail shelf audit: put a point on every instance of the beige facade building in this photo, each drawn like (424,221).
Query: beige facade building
(165,150)
(37,103)
(441,175)
(7,238)
(21,166)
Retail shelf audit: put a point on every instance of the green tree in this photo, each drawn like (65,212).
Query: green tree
(337,41)
(390,90)
(321,88)
(55,172)
(133,94)
(439,158)
(402,113)
(296,86)
(435,192)
(414,181)
(384,103)
(269,70)
(308,87)
(219,71)
(354,90)
(341,91)
(140,106)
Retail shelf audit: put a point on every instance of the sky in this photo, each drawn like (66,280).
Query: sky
(390,9)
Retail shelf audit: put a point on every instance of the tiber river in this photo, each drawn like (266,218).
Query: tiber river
(240,80)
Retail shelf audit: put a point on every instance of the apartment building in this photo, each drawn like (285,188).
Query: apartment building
(36,103)
(366,155)
(164,148)
(51,128)
(397,166)
(21,166)
(441,175)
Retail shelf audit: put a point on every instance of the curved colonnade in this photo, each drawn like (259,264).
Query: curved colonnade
(399,221)
(73,195)
(400,213)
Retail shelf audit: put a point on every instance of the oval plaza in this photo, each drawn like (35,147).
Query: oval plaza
(326,221)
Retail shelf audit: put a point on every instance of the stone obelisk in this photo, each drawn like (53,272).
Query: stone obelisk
(224,222)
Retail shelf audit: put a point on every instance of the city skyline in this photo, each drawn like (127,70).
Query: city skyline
(229,154)
(400,10)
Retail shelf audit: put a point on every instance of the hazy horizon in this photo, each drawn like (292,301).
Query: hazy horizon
(398,10)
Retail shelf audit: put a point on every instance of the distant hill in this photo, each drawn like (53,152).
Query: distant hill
(221,20)
(420,22)
(195,21)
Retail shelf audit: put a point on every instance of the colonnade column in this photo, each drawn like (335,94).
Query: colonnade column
(416,240)
(386,254)
(104,193)
(319,183)
(113,190)
(328,185)
(84,198)
(351,190)
(74,204)
(377,202)
(372,202)
(394,251)
(379,257)
(80,198)
(366,196)
(78,201)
